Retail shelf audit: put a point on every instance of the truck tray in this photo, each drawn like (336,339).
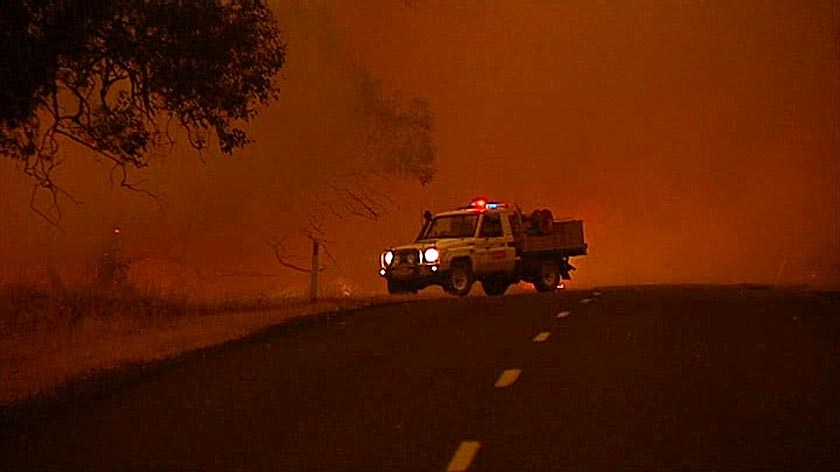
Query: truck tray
(566,237)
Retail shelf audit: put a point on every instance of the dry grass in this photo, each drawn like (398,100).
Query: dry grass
(49,338)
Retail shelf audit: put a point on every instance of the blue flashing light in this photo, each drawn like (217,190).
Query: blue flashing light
(483,204)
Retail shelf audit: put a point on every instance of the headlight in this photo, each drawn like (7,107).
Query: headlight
(431,255)
(388,258)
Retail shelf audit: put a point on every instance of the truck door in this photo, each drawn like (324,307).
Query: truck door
(493,254)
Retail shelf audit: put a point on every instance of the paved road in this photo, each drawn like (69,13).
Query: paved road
(630,379)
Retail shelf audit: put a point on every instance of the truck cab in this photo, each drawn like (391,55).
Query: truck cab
(480,242)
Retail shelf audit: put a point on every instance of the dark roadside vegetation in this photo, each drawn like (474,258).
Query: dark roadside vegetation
(52,340)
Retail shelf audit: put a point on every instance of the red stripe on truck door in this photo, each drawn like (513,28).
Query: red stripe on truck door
(497,254)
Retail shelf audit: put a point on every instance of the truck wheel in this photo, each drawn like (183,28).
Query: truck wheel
(548,276)
(459,279)
(495,286)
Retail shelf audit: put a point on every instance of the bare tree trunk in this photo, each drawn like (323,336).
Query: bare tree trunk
(313,284)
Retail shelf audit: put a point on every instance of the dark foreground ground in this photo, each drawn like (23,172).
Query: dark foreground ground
(669,378)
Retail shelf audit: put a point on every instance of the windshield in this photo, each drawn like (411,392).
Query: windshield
(452,226)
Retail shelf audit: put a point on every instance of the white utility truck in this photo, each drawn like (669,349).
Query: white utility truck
(489,242)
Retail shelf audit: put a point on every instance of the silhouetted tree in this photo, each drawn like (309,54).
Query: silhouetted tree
(397,140)
(111,269)
(115,75)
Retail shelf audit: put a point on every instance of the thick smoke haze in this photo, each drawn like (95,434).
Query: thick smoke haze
(699,141)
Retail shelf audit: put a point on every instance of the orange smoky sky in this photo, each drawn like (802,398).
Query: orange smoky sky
(699,141)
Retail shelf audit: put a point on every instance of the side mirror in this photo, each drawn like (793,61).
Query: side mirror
(427,215)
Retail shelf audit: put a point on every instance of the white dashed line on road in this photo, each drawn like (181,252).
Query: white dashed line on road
(541,337)
(586,300)
(596,294)
(508,378)
(463,456)
(564,314)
